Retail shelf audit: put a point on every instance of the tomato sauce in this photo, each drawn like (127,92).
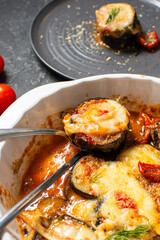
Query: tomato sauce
(45,163)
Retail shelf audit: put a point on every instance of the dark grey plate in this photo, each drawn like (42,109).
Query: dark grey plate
(61,36)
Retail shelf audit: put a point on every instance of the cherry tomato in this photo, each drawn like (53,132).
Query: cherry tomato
(150,171)
(145,121)
(1,64)
(148,40)
(7,97)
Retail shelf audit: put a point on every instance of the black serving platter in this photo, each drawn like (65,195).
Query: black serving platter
(62,37)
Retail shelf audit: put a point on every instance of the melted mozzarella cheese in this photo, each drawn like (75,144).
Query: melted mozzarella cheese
(107,117)
(123,175)
(122,181)
(138,206)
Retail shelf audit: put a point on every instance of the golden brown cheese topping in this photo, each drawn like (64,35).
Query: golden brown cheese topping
(127,198)
(98,118)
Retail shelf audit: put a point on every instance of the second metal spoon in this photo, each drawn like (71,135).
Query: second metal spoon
(26,201)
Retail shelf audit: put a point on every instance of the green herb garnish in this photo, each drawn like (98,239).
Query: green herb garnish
(112,15)
(125,234)
(95,177)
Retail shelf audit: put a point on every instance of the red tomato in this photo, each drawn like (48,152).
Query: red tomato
(7,97)
(124,201)
(1,64)
(150,171)
(149,40)
(102,112)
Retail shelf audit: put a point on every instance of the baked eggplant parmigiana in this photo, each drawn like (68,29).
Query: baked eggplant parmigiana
(97,125)
(98,199)
(117,25)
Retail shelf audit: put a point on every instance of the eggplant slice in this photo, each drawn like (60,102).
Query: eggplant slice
(98,125)
(27,233)
(52,222)
(51,206)
(117,25)
(85,175)
(155,134)
(66,227)
(37,236)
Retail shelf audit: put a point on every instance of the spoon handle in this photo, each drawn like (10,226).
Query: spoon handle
(19,132)
(26,201)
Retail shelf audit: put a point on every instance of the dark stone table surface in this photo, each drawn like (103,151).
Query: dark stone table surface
(23,70)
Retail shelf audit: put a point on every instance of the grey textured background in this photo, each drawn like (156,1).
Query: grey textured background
(23,70)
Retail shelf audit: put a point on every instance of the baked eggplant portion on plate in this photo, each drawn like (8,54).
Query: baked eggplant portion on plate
(117,25)
(98,125)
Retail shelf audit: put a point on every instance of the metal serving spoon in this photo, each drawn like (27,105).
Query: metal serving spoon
(26,201)
(19,132)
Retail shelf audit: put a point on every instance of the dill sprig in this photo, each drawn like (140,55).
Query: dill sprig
(127,234)
(112,15)
(94,178)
